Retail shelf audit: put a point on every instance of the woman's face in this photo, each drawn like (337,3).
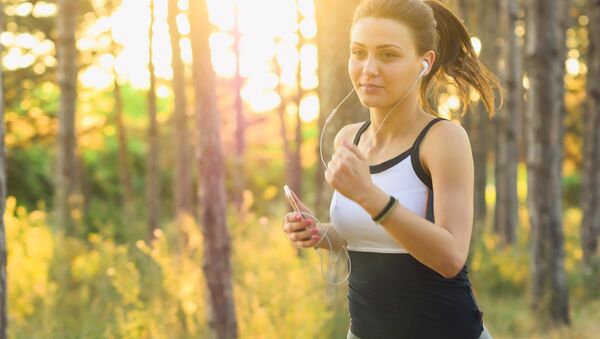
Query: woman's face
(383,62)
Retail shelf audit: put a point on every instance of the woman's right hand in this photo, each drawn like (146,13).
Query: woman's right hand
(300,228)
(302,233)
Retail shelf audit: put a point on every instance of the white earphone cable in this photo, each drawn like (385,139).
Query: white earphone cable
(332,260)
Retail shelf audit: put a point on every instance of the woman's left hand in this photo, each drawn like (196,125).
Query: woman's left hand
(348,172)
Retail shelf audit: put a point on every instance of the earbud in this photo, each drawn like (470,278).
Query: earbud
(425,68)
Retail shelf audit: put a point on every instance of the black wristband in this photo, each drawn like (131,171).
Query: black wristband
(384,212)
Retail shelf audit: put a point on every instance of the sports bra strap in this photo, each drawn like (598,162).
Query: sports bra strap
(360,131)
(416,163)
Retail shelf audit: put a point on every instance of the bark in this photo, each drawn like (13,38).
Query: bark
(124,174)
(507,124)
(590,226)
(486,29)
(544,157)
(67,81)
(183,183)
(217,248)
(153,176)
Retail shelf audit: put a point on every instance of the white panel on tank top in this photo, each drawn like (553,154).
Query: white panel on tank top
(355,225)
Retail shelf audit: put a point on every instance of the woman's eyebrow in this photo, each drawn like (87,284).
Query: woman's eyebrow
(378,47)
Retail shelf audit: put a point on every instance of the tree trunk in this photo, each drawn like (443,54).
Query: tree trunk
(476,121)
(217,266)
(3,280)
(487,30)
(334,84)
(507,126)
(153,176)
(590,226)
(240,120)
(544,158)
(67,81)
(124,174)
(183,182)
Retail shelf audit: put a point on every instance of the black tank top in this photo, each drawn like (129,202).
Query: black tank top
(394,296)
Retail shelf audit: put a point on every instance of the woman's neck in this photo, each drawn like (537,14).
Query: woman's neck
(399,124)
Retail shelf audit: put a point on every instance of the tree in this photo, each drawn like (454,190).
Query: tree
(544,157)
(482,128)
(183,182)
(217,251)
(590,226)
(507,123)
(124,171)
(3,280)
(67,81)
(153,176)
(334,81)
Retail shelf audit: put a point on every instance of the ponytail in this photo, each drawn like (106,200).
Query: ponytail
(457,61)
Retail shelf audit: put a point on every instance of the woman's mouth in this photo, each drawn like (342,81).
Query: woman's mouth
(369,88)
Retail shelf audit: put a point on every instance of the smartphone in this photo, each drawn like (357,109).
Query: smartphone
(290,197)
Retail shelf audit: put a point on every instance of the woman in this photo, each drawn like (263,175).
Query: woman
(403,180)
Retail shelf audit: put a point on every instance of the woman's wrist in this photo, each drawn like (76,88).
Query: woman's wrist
(373,200)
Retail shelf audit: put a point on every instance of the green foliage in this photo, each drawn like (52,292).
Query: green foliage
(29,174)
(572,191)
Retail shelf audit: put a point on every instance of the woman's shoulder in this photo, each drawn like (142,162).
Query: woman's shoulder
(347,132)
(445,131)
(446,141)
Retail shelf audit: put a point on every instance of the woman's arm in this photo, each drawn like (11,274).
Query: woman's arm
(446,155)
(442,246)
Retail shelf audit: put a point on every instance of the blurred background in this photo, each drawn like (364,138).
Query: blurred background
(146,142)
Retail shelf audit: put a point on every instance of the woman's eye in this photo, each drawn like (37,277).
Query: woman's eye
(387,55)
(357,52)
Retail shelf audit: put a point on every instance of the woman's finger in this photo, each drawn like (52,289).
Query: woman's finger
(302,235)
(308,243)
(296,226)
(354,149)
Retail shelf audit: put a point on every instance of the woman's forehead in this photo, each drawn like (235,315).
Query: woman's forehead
(375,32)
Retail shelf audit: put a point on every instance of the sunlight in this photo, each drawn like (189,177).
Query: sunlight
(269,43)
(453,102)
(95,77)
(572,66)
(24,9)
(476,45)
(44,9)
(309,108)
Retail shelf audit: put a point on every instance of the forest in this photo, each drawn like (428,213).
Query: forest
(145,145)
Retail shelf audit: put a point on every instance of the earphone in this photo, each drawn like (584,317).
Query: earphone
(424,70)
(329,118)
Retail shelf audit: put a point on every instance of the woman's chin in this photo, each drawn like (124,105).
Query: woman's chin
(371,102)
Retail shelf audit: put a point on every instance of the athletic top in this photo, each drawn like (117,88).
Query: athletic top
(390,293)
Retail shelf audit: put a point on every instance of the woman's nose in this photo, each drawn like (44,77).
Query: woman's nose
(370,66)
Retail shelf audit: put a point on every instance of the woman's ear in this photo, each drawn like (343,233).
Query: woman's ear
(429,57)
